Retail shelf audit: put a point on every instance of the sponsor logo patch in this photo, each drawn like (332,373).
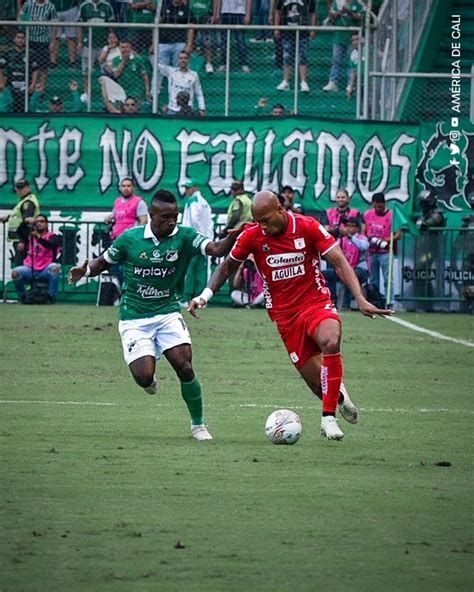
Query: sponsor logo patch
(283,259)
(156,256)
(294,357)
(299,243)
(171,256)
(150,292)
(287,273)
(265,248)
(160,272)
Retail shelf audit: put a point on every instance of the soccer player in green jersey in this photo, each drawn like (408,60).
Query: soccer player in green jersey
(155,258)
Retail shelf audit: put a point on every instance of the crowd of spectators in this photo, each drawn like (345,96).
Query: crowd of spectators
(126,55)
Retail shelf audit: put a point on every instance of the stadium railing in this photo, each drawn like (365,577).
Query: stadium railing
(437,269)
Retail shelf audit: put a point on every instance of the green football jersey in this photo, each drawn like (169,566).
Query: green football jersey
(154,270)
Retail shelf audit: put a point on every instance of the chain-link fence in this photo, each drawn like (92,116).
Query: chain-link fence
(212,70)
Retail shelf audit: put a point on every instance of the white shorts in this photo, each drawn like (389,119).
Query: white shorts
(152,336)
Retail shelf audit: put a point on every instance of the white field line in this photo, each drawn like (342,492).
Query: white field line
(285,405)
(26,402)
(431,333)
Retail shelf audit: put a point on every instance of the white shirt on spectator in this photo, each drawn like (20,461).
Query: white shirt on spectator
(178,81)
(198,215)
(234,7)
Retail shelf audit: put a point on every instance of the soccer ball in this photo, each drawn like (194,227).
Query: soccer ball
(283,427)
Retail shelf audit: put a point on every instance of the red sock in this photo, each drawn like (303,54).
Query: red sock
(331,378)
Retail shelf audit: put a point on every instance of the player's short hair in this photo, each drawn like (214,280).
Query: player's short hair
(378,198)
(164,196)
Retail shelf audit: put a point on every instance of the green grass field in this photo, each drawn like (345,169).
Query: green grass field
(100,483)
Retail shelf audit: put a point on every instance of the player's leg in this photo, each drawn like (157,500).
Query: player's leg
(180,358)
(311,374)
(139,352)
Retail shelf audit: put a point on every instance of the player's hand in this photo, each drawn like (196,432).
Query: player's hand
(194,305)
(76,273)
(369,310)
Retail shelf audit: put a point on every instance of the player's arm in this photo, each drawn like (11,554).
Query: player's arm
(216,281)
(222,247)
(338,260)
(88,269)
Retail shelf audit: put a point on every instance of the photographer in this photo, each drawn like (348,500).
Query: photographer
(431,216)
(247,285)
(20,219)
(39,264)
(378,222)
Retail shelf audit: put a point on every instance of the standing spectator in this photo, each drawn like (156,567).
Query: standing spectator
(130,72)
(92,11)
(13,72)
(129,210)
(353,65)
(182,79)
(40,262)
(20,219)
(121,10)
(354,245)
(342,13)
(67,11)
(40,37)
(233,12)
(240,210)
(9,10)
(140,12)
(202,11)
(198,215)
(174,42)
(294,13)
(261,16)
(287,194)
(109,52)
(338,216)
(378,223)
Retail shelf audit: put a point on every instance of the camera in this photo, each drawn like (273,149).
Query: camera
(380,243)
(249,264)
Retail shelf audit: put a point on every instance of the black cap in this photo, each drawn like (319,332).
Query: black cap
(21,184)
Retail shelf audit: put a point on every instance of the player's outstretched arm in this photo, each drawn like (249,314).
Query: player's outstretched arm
(216,281)
(95,267)
(222,247)
(338,260)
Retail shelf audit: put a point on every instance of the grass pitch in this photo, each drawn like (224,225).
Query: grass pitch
(102,488)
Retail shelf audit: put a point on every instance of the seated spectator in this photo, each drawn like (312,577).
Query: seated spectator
(129,106)
(13,72)
(247,285)
(67,11)
(130,72)
(354,246)
(140,11)
(278,110)
(342,13)
(55,103)
(109,52)
(40,36)
(180,79)
(185,111)
(40,262)
(92,11)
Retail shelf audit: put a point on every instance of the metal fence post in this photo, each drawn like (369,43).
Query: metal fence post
(89,71)
(297,66)
(154,90)
(227,75)
(27,68)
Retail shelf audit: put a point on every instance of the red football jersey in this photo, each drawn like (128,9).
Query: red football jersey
(288,263)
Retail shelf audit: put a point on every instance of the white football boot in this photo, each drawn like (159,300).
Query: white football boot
(330,429)
(200,432)
(151,390)
(347,409)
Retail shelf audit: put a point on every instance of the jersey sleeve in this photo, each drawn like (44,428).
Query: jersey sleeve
(243,247)
(321,238)
(117,250)
(197,241)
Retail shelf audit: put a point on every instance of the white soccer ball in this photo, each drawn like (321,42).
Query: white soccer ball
(283,427)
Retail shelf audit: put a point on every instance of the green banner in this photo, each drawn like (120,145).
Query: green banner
(75,162)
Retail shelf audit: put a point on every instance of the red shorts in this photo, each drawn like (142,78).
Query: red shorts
(297,331)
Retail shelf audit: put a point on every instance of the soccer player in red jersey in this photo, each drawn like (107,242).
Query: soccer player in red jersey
(287,248)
